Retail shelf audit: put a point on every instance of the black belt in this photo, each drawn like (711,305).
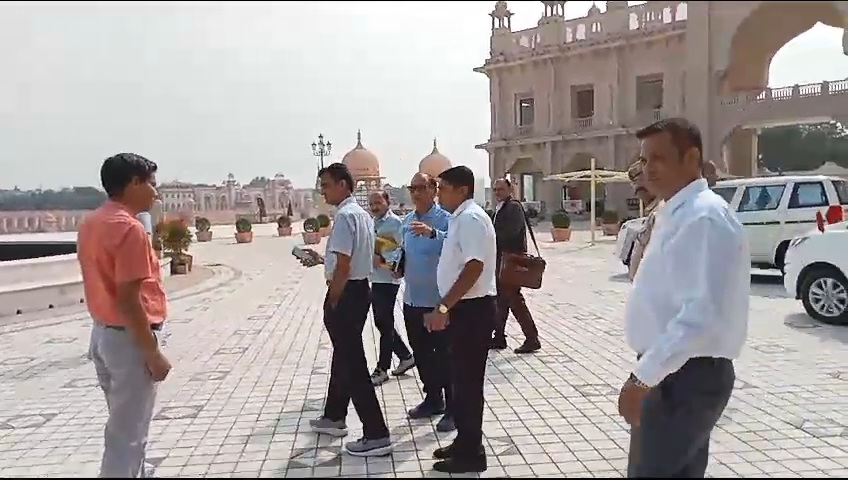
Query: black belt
(153,326)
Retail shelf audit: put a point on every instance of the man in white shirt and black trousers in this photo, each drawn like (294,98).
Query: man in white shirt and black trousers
(687,315)
(466,281)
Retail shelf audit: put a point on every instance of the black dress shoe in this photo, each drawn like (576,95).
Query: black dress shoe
(529,346)
(447,452)
(475,464)
(446,423)
(426,409)
(497,343)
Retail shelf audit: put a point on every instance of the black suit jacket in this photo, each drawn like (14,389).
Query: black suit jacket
(511,228)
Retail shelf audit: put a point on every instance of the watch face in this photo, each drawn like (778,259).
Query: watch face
(443,309)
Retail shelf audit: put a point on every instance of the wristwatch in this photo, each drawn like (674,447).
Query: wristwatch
(432,233)
(442,308)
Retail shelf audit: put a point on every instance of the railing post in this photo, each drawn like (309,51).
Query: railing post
(796,91)
(825,88)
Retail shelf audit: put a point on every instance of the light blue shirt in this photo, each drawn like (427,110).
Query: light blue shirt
(147,221)
(352,235)
(422,257)
(388,226)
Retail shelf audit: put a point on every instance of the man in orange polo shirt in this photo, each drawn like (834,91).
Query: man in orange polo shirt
(126,299)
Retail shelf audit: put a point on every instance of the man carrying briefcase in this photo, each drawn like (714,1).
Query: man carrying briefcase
(511,236)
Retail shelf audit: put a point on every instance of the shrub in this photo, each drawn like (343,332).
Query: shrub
(283,221)
(175,236)
(243,225)
(311,225)
(560,219)
(609,217)
(202,224)
(323,220)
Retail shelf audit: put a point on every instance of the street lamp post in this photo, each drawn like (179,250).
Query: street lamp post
(321,149)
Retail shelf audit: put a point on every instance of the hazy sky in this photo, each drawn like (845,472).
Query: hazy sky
(206,89)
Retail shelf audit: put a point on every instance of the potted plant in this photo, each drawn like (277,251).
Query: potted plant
(311,231)
(609,222)
(323,224)
(561,230)
(284,228)
(244,230)
(204,229)
(176,238)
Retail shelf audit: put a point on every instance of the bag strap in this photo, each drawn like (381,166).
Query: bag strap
(529,227)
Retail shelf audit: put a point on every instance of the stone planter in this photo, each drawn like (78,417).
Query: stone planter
(205,236)
(284,231)
(244,237)
(610,228)
(311,238)
(181,264)
(561,234)
(324,231)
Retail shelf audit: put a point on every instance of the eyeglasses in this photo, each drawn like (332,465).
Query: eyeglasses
(417,188)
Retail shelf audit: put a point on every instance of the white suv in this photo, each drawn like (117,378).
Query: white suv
(773,210)
(816,272)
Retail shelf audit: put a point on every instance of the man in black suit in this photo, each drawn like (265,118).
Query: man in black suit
(511,235)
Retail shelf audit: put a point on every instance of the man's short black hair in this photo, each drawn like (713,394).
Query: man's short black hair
(119,170)
(338,172)
(684,134)
(460,176)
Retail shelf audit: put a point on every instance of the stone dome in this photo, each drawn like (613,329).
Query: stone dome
(435,163)
(361,162)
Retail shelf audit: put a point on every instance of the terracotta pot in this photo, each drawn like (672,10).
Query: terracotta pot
(324,231)
(244,237)
(284,231)
(610,228)
(204,236)
(561,234)
(181,264)
(311,238)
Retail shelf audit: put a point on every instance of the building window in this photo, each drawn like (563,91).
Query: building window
(649,92)
(526,111)
(583,101)
(528,188)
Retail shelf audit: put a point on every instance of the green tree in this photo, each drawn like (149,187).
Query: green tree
(804,147)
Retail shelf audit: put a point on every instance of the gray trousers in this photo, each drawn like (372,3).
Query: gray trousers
(678,416)
(130,396)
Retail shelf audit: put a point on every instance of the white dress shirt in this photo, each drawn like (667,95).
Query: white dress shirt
(471,236)
(691,294)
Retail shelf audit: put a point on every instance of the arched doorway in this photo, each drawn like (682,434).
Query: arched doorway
(746,49)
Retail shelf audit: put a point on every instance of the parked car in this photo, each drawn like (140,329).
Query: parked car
(775,209)
(816,272)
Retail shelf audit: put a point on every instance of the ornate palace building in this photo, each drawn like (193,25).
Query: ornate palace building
(568,90)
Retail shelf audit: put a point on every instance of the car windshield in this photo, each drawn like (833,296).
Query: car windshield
(841,187)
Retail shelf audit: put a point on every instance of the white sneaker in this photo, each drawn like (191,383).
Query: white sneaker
(379,377)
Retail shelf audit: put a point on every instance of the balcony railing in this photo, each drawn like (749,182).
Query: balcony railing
(785,93)
(584,123)
(648,116)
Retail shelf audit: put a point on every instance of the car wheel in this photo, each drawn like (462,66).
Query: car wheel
(824,293)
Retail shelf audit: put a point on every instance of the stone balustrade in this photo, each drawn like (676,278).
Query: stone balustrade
(635,20)
(793,92)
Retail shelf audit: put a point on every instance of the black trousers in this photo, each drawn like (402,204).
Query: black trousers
(349,376)
(383,296)
(432,355)
(678,416)
(470,329)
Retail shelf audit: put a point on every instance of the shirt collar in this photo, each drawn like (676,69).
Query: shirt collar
(433,208)
(463,206)
(389,214)
(118,206)
(347,201)
(685,194)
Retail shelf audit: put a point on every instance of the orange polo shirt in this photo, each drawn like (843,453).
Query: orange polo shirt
(113,248)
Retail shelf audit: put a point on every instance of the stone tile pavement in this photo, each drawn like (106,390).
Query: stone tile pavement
(251,367)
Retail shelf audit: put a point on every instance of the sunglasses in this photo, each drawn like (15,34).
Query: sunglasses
(417,188)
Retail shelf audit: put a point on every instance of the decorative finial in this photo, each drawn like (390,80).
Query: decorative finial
(359,138)
(435,147)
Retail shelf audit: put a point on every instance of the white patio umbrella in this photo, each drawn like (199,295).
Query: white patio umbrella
(594,176)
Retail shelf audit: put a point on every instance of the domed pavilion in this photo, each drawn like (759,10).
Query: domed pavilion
(365,169)
(435,163)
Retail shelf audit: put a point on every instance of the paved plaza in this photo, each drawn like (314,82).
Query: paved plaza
(251,365)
